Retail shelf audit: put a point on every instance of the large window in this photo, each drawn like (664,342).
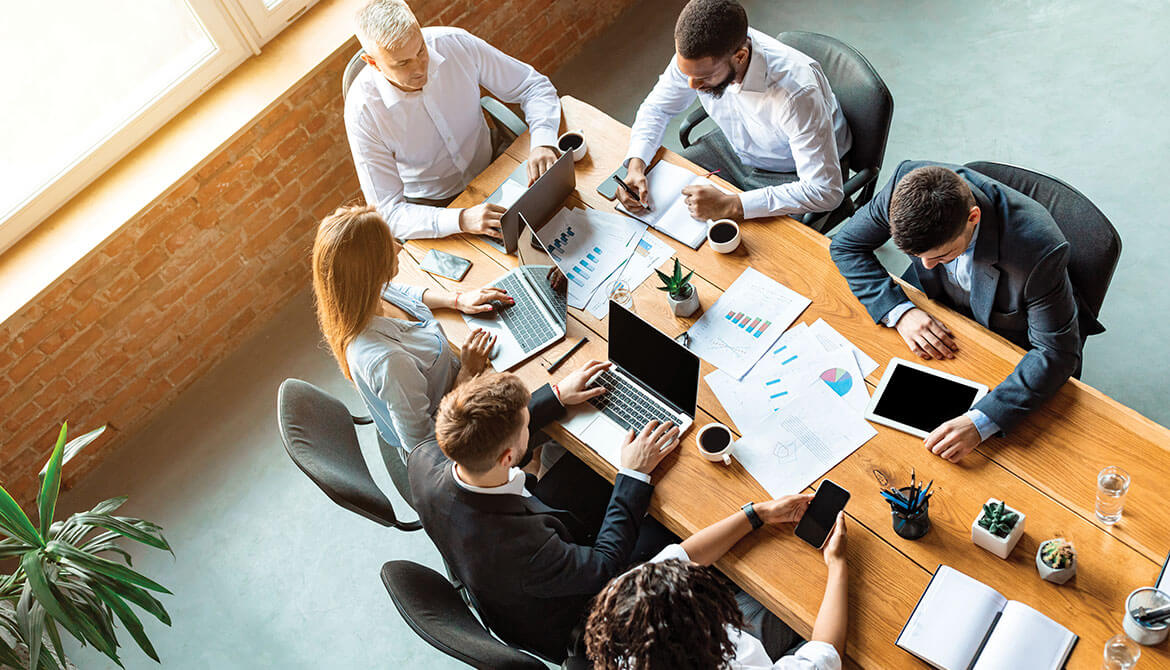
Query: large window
(84,82)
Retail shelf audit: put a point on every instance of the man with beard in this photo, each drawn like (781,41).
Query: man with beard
(781,134)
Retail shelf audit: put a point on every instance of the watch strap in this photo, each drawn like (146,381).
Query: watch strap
(750,510)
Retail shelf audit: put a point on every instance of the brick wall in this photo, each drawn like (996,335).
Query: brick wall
(174,290)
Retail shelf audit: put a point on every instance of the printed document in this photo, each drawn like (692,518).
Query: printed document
(648,254)
(587,248)
(668,210)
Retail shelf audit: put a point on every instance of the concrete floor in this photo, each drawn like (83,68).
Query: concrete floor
(269,573)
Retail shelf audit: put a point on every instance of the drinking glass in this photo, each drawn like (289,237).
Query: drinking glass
(620,293)
(1112,484)
(1121,653)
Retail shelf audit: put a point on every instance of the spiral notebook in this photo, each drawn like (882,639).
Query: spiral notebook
(961,623)
(670,215)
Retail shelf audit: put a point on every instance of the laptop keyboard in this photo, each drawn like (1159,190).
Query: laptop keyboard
(523,319)
(538,277)
(628,405)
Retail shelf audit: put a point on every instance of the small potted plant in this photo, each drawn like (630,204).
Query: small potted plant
(683,298)
(1056,560)
(998,528)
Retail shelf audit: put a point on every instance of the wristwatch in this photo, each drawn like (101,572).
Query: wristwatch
(750,510)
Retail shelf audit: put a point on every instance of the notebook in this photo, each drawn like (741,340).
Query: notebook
(669,214)
(961,623)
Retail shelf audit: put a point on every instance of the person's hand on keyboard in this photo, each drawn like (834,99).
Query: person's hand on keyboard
(482,300)
(574,389)
(476,351)
(644,451)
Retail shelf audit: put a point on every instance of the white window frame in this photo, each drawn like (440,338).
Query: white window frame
(237,35)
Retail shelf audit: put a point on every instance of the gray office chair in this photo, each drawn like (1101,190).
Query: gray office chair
(499,113)
(318,434)
(1095,246)
(433,609)
(868,107)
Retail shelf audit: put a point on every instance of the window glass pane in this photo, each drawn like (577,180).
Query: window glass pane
(82,70)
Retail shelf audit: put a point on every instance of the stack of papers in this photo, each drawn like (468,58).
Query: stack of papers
(588,246)
(669,213)
(648,254)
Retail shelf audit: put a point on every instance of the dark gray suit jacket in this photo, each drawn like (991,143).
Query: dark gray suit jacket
(529,567)
(1019,285)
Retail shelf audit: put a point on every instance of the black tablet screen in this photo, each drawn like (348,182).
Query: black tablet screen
(921,400)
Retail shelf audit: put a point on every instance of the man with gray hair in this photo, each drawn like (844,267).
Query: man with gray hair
(415,127)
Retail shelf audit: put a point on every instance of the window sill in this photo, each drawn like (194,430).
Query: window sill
(176,151)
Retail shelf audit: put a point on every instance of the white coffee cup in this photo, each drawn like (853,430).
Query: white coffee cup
(725,246)
(723,454)
(573,137)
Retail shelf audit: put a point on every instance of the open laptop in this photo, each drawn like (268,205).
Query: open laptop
(537,204)
(652,378)
(538,318)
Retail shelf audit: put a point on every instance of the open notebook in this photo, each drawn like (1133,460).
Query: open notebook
(669,214)
(963,624)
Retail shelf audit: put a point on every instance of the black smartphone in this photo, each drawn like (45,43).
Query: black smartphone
(821,515)
(608,188)
(445,265)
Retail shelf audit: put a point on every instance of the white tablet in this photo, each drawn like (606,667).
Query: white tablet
(916,399)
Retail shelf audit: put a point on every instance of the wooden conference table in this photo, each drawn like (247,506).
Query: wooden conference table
(1046,468)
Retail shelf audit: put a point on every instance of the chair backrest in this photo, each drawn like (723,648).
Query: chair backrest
(1094,244)
(319,436)
(352,68)
(433,608)
(863,96)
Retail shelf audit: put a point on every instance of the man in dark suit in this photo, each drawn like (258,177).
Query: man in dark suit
(531,565)
(986,250)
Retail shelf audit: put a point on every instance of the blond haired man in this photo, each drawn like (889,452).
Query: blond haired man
(415,127)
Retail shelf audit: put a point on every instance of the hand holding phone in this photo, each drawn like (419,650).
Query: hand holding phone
(821,515)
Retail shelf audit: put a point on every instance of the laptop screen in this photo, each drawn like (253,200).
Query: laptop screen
(542,275)
(540,201)
(654,359)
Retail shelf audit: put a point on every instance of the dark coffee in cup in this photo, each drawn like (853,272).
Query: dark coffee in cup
(570,142)
(722,232)
(715,439)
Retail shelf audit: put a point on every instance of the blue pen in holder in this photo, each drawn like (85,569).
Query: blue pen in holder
(911,525)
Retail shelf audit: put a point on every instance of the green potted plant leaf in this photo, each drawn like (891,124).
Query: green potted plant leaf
(683,298)
(998,528)
(1056,560)
(71,574)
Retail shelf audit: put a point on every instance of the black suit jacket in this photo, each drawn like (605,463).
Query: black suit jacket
(523,561)
(1019,285)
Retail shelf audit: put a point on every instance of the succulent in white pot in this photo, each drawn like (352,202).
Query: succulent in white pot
(680,292)
(998,528)
(1056,560)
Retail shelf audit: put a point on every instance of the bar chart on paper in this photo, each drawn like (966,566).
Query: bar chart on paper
(752,325)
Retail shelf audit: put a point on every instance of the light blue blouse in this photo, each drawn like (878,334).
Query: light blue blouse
(403,369)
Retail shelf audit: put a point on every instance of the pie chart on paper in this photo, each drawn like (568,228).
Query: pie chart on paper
(839,380)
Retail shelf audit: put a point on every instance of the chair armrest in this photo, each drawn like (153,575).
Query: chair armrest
(506,117)
(859,180)
(693,119)
(362,420)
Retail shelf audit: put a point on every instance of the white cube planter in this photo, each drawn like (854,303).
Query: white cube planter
(685,307)
(1051,574)
(1000,546)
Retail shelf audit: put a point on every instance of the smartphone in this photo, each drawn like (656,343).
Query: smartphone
(821,515)
(608,188)
(445,265)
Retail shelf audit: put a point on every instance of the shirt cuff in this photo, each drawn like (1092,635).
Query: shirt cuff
(543,137)
(755,204)
(640,476)
(447,222)
(640,149)
(891,318)
(823,655)
(983,424)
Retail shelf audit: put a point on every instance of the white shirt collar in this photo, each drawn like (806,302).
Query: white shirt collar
(755,78)
(392,95)
(514,486)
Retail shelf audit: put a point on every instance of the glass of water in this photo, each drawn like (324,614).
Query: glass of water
(620,293)
(1112,484)
(1121,653)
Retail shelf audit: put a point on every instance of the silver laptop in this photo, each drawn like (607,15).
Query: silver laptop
(652,378)
(538,318)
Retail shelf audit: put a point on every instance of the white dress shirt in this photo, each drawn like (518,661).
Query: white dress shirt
(782,117)
(957,284)
(431,143)
(402,369)
(749,651)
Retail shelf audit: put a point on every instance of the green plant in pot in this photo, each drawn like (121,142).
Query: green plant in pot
(71,574)
(683,298)
(998,528)
(1056,560)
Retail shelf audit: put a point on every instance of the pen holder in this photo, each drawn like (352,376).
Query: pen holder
(912,526)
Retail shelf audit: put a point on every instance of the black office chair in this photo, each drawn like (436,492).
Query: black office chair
(495,109)
(1094,245)
(318,434)
(868,107)
(433,609)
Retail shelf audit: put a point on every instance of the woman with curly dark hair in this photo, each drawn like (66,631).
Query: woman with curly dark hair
(675,613)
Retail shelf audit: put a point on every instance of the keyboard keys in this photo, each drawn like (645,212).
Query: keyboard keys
(627,405)
(523,319)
